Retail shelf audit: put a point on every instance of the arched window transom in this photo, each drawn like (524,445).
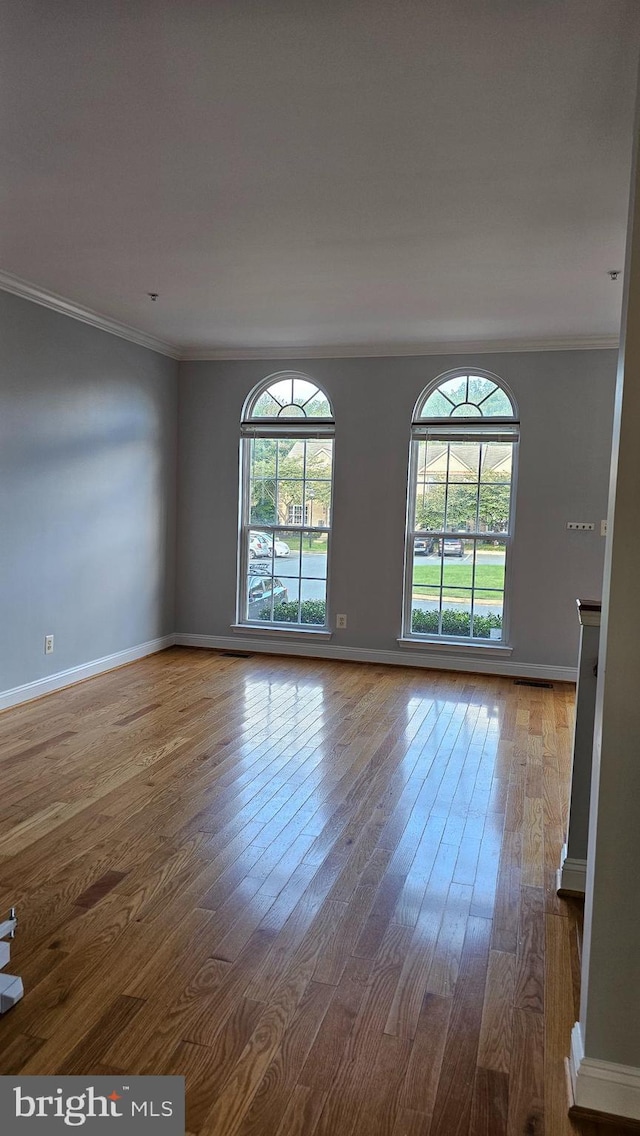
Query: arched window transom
(291,395)
(465,396)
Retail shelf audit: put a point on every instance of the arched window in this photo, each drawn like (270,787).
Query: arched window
(287,469)
(464,439)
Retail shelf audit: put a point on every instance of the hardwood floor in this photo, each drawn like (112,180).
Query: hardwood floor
(323,892)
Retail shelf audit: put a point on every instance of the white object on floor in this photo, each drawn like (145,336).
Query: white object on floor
(11,988)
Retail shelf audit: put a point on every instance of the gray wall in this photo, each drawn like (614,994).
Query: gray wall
(566,407)
(87,492)
(610,981)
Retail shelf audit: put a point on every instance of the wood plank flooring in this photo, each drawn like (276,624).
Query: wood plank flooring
(323,892)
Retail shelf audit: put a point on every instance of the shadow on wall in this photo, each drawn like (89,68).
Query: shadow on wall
(85,476)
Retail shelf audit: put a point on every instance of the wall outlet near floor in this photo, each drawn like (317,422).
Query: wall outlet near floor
(603,528)
(341,622)
(582,525)
(48,644)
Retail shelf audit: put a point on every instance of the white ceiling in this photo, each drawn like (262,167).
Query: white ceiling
(350,174)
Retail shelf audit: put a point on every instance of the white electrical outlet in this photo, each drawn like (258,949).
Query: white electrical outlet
(341,622)
(603,528)
(48,644)
(582,525)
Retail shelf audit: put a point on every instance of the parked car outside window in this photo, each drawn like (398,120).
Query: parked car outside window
(281,547)
(453,546)
(260,589)
(424,546)
(259,547)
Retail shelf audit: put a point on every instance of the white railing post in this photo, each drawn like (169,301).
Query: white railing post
(11,988)
(572,874)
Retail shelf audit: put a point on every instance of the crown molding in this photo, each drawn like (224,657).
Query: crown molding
(385,350)
(28,291)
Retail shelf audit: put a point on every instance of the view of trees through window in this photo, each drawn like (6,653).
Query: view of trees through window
(460,515)
(287,507)
(291,478)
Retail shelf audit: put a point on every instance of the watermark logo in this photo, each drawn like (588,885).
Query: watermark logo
(135,1106)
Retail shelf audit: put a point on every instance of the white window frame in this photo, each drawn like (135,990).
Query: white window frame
(476,429)
(302,429)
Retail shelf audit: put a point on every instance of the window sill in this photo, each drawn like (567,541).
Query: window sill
(454,647)
(301,632)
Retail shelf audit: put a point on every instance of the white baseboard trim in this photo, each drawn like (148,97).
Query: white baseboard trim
(400,658)
(50,683)
(57,681)
(603,1086)
(572,874)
